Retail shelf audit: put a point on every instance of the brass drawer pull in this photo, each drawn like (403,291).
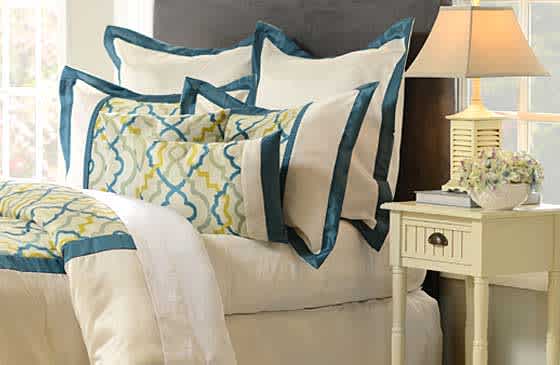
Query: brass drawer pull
(438,239)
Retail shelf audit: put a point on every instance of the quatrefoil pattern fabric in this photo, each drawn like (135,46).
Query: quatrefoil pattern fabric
(119,141)
(44,225)
(221,188)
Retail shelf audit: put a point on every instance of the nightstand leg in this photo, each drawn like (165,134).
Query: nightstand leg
(399,316)
(553,332)
(480,341)
(469,321)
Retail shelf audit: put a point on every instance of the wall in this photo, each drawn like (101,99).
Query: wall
(85,24)
(517,324)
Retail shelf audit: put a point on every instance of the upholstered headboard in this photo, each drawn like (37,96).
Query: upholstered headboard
(330,28)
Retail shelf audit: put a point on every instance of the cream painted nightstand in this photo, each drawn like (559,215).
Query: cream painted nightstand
(479,244)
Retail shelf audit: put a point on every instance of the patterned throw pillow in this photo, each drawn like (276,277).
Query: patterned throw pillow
(112,159)
(316,147)
(221,188)
(83,97)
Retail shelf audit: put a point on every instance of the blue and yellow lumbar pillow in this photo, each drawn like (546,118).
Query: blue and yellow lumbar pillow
(221,188)
(116,147)
(316,145)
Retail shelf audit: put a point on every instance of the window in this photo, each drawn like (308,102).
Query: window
(531,105)
(32,44)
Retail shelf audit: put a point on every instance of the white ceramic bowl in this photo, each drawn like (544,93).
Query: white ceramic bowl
(504,197)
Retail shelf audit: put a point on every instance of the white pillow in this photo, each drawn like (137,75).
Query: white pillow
(151,66)
(286,76)
(316,146)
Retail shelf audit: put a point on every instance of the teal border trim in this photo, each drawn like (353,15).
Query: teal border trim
(289,149)
(68,79)
(32,264)
(280,40)
(270,178)
(89,246)
(78,248)
(338,182)
(89,141)
(113,32)
(217,95)
(375,236)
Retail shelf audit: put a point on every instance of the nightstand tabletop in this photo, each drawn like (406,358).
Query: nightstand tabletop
(471,213)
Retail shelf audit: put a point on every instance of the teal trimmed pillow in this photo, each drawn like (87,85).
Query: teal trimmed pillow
(153,66)
(316,145)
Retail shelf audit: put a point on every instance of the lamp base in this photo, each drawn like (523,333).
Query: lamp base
(472,130)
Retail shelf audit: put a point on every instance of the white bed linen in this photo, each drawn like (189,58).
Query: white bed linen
(354,333)
(258,276)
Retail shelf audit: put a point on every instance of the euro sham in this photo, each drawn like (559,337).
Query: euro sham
(316,146)
(156,67)
(221,188)
(83,97)
(287,76)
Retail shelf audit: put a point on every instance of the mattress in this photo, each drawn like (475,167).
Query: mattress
(260,276)
(42,331)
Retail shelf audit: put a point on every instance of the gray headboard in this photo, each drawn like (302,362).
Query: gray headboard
(330,28)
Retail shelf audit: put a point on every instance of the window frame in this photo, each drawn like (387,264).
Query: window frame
(523,116)
(37,91)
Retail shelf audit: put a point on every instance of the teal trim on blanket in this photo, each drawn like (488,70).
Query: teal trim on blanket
(338,182)
(375,236)
(66,90)
(192,87)
(270,178)
(113,32)
(89,246)
(32,264)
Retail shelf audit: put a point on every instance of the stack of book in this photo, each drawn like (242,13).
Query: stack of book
(459,199)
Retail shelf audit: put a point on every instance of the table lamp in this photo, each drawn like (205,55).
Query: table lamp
(474,42)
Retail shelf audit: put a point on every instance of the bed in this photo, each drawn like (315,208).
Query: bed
(279,309)
(330,28)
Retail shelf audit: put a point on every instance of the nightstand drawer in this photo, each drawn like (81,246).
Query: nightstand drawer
(437,240)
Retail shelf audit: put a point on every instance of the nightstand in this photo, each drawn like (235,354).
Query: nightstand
(479,244)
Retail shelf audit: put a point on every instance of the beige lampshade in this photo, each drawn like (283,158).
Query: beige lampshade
(476,42)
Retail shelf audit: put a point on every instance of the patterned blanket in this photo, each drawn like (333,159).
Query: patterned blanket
(138,290)
(42,226)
